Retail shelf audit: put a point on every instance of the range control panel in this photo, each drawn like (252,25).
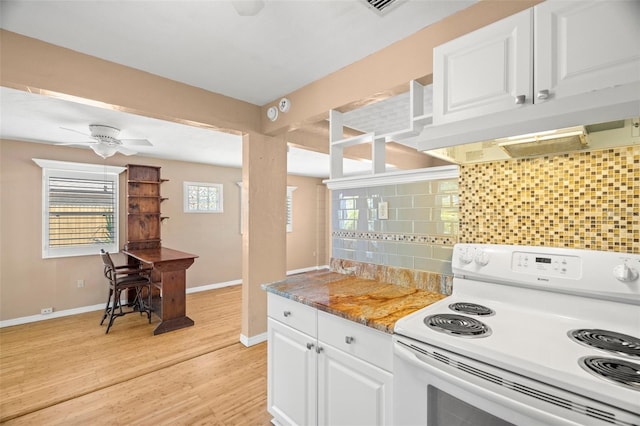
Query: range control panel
(548,265)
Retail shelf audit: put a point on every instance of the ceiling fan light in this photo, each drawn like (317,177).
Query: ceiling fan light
(104,150)
(247,7)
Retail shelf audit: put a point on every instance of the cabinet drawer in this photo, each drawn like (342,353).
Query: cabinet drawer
(294,314)
(364,342)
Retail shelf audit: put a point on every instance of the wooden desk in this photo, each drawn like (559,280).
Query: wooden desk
(172,266)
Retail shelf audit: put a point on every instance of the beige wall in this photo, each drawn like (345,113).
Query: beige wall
(29,283)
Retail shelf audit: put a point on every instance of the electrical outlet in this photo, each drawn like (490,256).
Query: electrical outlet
(46,311)
(383,210)
(80,283)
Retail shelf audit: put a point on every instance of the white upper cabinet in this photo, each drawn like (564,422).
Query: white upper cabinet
(556,50)
(485,71)
(585,46)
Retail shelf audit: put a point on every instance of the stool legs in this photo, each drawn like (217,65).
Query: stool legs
(113,304)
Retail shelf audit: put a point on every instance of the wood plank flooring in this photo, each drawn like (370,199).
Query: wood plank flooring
(67,371)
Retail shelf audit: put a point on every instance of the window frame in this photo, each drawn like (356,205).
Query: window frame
(185,196)
(65,169)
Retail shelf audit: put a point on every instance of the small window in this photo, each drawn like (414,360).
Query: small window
(202,197)
(80,208)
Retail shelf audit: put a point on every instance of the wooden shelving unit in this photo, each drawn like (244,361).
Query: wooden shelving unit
(144,215)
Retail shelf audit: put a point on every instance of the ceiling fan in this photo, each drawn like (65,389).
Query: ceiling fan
(106,142)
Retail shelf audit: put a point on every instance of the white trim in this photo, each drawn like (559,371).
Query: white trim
(212,286)
(54,314)
(392,178)
(100,306)
(309,269)
(78,167)
(53,168)
(253,340)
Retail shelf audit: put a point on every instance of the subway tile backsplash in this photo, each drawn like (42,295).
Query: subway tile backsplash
(420,231)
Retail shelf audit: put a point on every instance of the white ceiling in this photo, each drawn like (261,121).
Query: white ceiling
(288,44)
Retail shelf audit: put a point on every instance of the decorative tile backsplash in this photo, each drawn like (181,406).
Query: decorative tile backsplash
(420,231)
(588,200)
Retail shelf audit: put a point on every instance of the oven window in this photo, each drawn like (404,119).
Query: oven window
(446,410)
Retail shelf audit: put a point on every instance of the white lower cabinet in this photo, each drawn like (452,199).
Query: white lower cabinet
(351,391)
(336,372)
(292,383)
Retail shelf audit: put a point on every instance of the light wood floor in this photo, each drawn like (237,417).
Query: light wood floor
(67,371)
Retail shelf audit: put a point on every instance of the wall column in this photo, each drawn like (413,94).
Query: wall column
(264,191)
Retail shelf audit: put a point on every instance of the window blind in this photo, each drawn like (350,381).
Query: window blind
(81,211)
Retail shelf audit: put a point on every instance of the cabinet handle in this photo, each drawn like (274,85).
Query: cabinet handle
(319,349)
(543,94)
(349,339)
(520,99)
(310,346)
(287,313)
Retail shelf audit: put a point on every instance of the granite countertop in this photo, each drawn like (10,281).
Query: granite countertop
(372,303)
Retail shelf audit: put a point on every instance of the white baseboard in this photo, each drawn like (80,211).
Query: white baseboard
(303,270)
(253,340)
(52,315)
(213,286)
(100,306)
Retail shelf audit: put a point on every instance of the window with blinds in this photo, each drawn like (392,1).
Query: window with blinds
(290,190)
(80,209)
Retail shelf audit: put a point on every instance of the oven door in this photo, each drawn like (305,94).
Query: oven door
(437,388)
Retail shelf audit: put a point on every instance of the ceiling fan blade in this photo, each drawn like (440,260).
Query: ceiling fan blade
(136,142)
(81,143)
(76,131)
(126,151)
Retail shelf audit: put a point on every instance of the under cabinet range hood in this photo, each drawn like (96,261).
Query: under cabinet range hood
(550,142)
(592,137)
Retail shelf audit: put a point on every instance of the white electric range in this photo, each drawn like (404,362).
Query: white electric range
(513,344)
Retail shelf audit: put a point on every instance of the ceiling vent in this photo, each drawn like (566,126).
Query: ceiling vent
(382,6)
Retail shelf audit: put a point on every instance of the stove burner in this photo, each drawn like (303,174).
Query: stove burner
(619,371)
(471,309)
(610,341)
(458,325)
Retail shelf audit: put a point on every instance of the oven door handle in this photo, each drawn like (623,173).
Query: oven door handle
(470,391)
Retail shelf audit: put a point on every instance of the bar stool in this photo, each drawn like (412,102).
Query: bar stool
(121,278)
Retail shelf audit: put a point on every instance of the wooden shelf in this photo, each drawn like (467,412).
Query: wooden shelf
(143,206)
(144,181)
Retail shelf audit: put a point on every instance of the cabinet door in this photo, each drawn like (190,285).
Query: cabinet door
(352,392)
(484,71)
(292,382)
(585,46)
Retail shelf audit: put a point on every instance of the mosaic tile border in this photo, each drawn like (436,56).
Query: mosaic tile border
(443,240)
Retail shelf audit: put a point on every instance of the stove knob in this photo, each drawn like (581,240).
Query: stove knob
(482,258)
(624,273)
(466,256)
